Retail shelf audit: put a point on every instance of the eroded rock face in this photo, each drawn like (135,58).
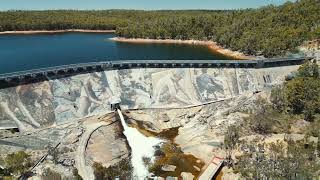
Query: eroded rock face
(201,129)
(108,145)
(63,100)
(105,145)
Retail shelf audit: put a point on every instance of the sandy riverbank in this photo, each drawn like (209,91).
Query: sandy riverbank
(211,45)
(57,31)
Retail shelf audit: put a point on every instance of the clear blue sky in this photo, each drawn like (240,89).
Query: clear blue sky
(134,4)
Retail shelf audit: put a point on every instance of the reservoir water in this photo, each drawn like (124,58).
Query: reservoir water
(25,52)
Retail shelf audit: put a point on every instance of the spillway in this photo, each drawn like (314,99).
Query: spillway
(141,147)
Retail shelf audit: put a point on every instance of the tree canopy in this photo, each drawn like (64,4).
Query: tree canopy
(269,31)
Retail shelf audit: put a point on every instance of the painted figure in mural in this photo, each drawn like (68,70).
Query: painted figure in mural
(169,89)
(14,104)
(136,85)
(8,111)
(94,93)
(245,81)
(209,86)
(81,95)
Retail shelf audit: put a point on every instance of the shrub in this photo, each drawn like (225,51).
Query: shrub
(261,122)
(50,175)
(231,137)
(278,99)
(17,163)
(122,170)
(303,94)
(76,174)
(296,162)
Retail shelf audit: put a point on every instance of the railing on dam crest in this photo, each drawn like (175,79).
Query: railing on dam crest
(72,69)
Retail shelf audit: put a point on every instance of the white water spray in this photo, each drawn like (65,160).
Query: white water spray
(141,146)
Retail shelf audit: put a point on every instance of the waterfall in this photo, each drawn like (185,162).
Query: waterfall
(124,124)
(141,146)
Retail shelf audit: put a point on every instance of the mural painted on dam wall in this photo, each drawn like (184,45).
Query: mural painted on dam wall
(83,95)
(66,99)
(27,106)
(135,88)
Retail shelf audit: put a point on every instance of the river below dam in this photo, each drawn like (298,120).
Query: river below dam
(141,147)
(20,52)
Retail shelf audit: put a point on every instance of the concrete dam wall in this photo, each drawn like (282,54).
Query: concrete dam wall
(67,99)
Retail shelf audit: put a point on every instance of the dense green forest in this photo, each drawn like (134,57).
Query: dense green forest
(268,31)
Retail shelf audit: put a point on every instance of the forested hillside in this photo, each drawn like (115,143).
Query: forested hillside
(293,110)
(269,31)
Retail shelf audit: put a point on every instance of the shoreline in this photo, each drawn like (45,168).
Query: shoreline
(56,31)
(210,44)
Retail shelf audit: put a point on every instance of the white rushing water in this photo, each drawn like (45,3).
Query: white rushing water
(141,146)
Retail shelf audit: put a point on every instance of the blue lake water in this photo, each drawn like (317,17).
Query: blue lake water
(25,52)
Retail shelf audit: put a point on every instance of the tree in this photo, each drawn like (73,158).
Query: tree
(270,30)
(309,69)
(262,120)
(278,98)
(303,92)
(231,137)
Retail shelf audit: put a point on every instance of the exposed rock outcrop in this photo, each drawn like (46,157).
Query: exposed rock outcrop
(187,176)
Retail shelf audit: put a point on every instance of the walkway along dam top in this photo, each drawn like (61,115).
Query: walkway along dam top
(72,69)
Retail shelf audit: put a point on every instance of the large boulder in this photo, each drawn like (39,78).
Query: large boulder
(168,168)
(187,176)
